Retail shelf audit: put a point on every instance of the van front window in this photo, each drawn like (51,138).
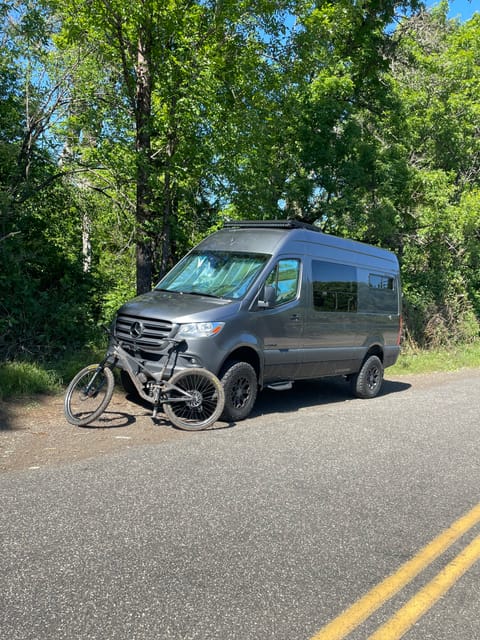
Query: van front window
(220,274)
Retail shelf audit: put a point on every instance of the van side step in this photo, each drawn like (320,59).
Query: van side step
(280,386)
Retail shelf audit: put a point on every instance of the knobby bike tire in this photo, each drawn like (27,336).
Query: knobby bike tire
(88,394)
(205,405)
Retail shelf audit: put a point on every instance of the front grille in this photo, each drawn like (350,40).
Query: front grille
(142,334)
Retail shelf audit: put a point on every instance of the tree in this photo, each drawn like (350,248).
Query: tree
(173,63)
(324,120)
(438,81)
(44,302)
(127,132)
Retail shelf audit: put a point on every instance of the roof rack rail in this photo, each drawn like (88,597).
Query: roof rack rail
(270,224)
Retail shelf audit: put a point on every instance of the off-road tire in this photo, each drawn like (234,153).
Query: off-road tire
(240,383)
(368,381)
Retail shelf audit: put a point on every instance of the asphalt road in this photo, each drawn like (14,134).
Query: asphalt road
(266,530)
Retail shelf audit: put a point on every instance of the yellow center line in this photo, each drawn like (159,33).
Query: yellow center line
(374,599)
(421,602)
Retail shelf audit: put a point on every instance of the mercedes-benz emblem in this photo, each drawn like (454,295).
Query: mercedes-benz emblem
(136,330)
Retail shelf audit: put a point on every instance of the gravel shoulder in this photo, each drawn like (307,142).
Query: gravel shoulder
(34,432)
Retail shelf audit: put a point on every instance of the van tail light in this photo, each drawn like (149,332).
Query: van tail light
(400,330)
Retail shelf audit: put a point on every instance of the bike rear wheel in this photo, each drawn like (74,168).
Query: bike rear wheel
(197,401)
(88,394)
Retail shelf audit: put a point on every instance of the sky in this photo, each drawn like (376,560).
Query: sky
(462,9)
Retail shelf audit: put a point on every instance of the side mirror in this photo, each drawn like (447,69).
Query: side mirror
(267,297)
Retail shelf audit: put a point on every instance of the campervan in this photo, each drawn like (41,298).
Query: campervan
(266,303)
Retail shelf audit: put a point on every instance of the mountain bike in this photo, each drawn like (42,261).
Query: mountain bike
(192,399)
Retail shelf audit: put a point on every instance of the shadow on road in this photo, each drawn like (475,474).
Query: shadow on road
(309,393)
(5,422)
(305,393)
(111,419)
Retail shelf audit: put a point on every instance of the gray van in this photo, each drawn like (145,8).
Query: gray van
(264,303)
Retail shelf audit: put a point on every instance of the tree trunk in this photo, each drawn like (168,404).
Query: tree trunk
(86,243)
(165,235)
(144,253)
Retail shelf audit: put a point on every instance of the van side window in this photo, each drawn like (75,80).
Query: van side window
(285,278)
(380,282)
(378,293)
(335,287)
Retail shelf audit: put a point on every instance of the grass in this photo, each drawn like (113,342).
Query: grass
(26,378)
(448,359)
(19,379)
(23,378)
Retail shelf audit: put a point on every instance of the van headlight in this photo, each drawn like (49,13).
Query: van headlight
(199,329)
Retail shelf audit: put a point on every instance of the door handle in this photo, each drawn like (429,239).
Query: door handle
(295,317)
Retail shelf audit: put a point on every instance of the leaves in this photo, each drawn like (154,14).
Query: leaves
(128,131)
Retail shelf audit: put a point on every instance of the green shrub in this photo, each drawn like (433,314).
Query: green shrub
(72,361)
(430,325)
(26,378)
(414,360)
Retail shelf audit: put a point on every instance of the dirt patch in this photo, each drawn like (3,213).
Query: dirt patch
(34,432)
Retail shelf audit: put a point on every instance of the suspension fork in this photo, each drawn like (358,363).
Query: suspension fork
(92,388)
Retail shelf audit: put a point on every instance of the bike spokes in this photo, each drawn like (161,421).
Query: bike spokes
(195,399)
(88,394)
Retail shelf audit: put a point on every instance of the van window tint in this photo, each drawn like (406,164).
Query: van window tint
(378,293)
(284,278)
(380,282)
(335,287)
(220,274)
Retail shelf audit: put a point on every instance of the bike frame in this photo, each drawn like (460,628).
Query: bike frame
(117,356)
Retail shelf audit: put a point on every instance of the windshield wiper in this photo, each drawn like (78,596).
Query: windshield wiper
(204,295)
(194,293)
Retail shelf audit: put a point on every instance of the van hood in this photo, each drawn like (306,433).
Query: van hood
(177,307)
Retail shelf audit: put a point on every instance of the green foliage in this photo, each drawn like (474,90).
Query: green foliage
(438,82)
(48,299)
(416,361)
(26,378)
(143,125)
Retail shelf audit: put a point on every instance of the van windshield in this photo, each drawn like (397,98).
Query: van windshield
(220,274)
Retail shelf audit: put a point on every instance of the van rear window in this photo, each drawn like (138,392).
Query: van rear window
(377,293)
(381,282)
(335,287)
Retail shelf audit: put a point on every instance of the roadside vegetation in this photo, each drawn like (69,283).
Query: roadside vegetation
(412,361)
(27,379)
(129,131)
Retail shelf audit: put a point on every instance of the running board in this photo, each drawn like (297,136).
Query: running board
(281,386)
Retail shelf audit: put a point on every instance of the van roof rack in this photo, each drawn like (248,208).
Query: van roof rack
(270,224)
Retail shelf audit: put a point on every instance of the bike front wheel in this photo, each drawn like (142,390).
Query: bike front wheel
(196,399)
(88,394)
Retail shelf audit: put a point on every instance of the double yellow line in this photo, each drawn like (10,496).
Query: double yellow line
(421,602)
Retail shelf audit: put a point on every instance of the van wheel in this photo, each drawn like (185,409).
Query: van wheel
(240,383)
(368,381)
